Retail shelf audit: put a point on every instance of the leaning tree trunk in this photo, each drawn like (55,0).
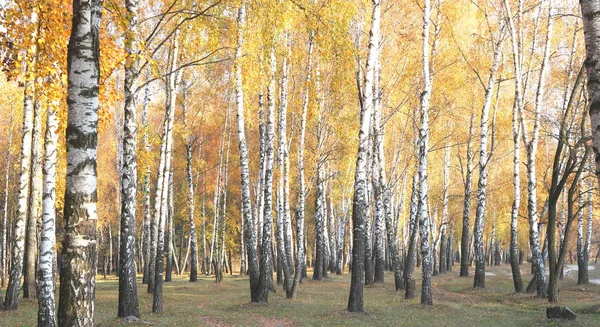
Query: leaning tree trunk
(253,266)
(531,149)
(13,289)
(46,285)
(514,250)
(360,200)
(464,240)
(128,300)
(78,270)
(484,158)
(221,261)
(156,213)
(157,301)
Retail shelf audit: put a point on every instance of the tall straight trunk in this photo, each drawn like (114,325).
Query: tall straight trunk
(253,266)
(300,211)
(13,289)
(78,270)
(360,198)
(582,265)
(172,81)
(260,183)
(320,203)
(466,216)
(443,226)
(3,232)
(221,261)
(484,159)
(591,31)
(170,234)
(341,233)
(413,228)
(216,207)
(266,275)
(378,242)
(588,239)
(433,221)
(146,188)
(128,300)
(119,168)
(205,264)
(192,221)
(156,213)
(46,285)
(110,250)
(35,201)
(331,231)
(422,214)
(283,237)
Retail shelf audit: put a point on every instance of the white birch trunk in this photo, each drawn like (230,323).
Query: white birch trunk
(484,158)
(78,271)
(253,266)
(13,289)
(46,285)
(360,198)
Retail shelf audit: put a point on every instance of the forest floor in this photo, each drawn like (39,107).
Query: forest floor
(323,303)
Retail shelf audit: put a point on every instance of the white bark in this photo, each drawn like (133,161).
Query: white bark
(360,200)
(78,271)
(484,158)
(253,267)
(46,302)
(18,234)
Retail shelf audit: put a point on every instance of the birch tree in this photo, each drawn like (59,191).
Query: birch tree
(484,158)
(284,250)
(422,214)
(360,201)
(300,211)
(253,266)
(582,257)
(171,86)
(591,31)
(78,270)
(3,232)
(466,214)
(17,255)
(35,198)
(46,286)
(128,300)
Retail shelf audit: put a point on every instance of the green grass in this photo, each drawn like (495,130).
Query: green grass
(323,303)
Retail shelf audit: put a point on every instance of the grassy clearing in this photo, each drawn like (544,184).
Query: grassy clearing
(456,303)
